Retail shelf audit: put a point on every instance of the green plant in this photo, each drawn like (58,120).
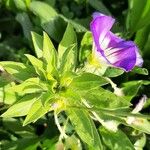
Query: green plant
(56,82)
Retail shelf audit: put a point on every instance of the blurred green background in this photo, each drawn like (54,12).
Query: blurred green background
(19,17)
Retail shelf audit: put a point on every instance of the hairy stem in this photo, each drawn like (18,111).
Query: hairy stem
(62,132)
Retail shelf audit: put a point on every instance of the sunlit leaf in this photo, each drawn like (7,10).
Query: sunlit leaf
(73,143)
(140,143)
(7,96)
(139,124)
(69,59)
(37,64)
(20,4)
(37,110)
(87,81)
(49,54)
(102,98)
(38,44)
(18,70)
(85,128)
(112,140)
(68,39)
(32,85)
(22,107)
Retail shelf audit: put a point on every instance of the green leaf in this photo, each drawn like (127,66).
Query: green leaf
(9,4)
(49,54)
(113,72)
(69,59)
(15,125)
(68,39)
(134,13)
(107,113)
(147,103)
(98,5)
(22,107)
(38,44)
(145,17)
(7,96)
(34,61)
(18,70)
(28,2)
(29,143)
(87,81)
(4,79)
(73,98)
(66,78)
(140,124)
(140,143)
(85,128)
(139,70)
(49,144)
(85,47)
(131,88)
(43,10)
(78,27)
(116,140)
(119,113)
(26,24)
(72,143)
(146,52)
(111,119)
(37,64)
(142,36)
(47,98)
(102,98)
(32,85)
(55,28)
(20,4)
(138,15)
(37,110)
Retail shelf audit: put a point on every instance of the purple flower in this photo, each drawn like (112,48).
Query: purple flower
(112,49)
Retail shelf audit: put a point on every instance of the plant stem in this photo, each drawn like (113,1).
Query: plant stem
(110,125)
(117,90)
(62,132)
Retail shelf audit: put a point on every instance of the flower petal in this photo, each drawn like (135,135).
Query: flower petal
(97,14)
(123,55)
(110,40)
(100,26)
(139,60)
(110,48)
